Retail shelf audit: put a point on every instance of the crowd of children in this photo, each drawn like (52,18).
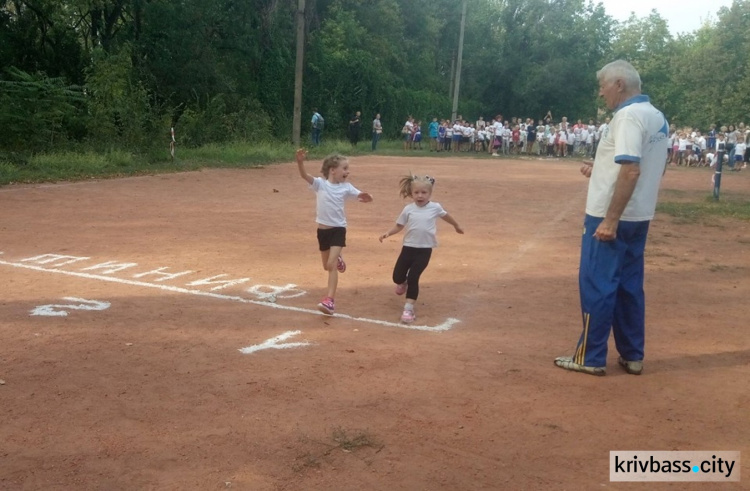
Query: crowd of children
(689,147)
(514,137)
(497,137)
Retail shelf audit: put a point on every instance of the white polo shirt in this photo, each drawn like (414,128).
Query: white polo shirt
(637,133)
(420,229)
(331,198)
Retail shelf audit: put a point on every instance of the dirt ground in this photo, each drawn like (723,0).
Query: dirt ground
(124,305)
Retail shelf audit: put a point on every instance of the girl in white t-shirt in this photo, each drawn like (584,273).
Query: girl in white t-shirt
(419,219)
(331,193)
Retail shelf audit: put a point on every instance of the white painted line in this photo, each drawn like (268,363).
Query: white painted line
(441,327)
(60,310)
(273,343)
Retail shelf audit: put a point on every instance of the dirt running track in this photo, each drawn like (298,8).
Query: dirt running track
(135,380)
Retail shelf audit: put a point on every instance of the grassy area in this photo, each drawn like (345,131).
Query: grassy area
(729,206)
(70,166)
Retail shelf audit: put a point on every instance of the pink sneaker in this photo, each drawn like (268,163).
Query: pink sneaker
(401,289)
(341,265)
(326,306)
(408,317)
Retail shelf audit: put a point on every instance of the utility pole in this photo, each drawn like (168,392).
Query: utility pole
(453,73)
(457,87)
(297,119)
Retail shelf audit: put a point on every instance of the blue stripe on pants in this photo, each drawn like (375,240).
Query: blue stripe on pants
(611,287)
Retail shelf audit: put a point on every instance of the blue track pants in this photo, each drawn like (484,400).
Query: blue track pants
(611,287)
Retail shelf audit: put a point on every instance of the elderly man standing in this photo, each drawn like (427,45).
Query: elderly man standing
(625,178)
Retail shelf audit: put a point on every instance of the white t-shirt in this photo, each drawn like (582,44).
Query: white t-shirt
(420,228)
(498,128)
(331,198)
(700,142)
(637,133)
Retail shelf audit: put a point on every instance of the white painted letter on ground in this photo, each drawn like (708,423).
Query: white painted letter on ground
(273,343)
(60,310)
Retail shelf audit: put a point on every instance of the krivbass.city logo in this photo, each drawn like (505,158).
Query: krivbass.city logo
(645,465)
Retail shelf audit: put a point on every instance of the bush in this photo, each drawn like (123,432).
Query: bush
(225,118)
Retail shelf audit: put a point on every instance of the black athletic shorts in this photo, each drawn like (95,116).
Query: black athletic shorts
(328,237)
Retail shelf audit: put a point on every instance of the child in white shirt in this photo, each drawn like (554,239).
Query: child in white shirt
(331,192)
(418,218)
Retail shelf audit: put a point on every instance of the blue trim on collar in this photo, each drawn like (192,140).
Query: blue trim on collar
(634,100)
(629,158)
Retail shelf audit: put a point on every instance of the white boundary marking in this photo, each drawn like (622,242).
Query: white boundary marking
(273,343)
(446,325)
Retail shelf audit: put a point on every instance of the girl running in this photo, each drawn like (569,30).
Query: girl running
(332,192)
(419,220)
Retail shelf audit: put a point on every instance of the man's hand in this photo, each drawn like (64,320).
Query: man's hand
(586,168)
(606,231)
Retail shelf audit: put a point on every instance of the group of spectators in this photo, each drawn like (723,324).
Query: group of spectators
(689,147)
(514,137)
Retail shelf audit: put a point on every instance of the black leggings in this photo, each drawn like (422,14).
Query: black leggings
(409,267)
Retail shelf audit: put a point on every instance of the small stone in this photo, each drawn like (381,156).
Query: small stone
(2,382)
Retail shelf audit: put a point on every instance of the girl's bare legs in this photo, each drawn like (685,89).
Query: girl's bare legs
(330,259)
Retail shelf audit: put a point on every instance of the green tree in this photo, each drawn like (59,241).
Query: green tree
(36,111)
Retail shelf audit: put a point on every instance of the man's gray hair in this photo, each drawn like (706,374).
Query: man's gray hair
(621,69)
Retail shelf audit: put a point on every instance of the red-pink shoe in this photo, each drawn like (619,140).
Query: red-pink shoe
(341,265)
(408,317)
(326,306)
(401,289)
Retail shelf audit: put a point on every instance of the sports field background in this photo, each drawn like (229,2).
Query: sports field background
(153,392)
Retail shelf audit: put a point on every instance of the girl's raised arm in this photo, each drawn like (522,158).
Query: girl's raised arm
(300,156)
